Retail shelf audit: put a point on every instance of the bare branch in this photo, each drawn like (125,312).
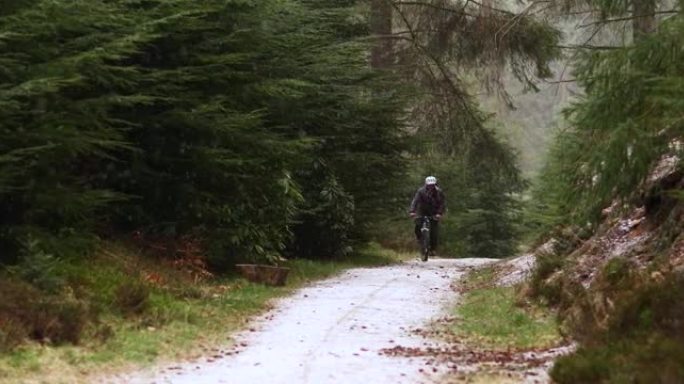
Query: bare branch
(561,81)
(586,46)
(454,10)
(627,18)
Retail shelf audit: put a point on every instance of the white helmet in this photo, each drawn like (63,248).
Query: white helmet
(430,180)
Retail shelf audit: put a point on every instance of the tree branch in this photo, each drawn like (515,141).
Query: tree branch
(448,9)
(627,18)
(446,76)
(586,46)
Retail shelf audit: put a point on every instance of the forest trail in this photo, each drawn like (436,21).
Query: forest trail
(334,331)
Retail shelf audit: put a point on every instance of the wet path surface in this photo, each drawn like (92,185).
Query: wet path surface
(333,331)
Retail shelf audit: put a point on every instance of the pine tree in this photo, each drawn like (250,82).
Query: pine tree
(55,87)
(441,46)
(626,121)
(188,117)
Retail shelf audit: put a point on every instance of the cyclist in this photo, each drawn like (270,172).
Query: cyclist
(428,201)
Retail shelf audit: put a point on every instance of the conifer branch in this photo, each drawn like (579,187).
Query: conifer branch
(627,18)
(446,76)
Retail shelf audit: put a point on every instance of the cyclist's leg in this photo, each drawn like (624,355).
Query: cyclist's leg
(434,228)
(416,229)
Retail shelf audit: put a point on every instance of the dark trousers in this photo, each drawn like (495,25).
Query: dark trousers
(434,228)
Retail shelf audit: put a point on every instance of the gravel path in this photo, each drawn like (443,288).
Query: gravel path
(332,331)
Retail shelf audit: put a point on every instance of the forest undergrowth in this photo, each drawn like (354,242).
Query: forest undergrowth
(126,308)
(236,131)
(608,208)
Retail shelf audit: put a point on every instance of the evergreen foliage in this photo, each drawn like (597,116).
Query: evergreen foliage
(482,188)
(257,127)
(325,221)
(55,89)
(628,120)
(625,132)
(441,45)
(184,117)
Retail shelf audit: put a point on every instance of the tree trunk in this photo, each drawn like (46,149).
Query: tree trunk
(486,8)
(644,21)
(381,28)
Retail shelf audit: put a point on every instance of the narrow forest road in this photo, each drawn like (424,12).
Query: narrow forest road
(333,331)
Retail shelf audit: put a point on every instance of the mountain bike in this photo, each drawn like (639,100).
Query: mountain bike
(425,248)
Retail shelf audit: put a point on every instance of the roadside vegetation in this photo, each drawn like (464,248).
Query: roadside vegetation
(608,203)
(127,309)
(206,134)
(147,146)
(495,317)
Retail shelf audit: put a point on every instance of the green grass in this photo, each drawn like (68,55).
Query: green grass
(492,317)
(182,320)
(645,358)
(640,339)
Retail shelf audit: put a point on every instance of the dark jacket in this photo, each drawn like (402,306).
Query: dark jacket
(427,203)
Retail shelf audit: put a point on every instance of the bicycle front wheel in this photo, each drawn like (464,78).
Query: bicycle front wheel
(425,245)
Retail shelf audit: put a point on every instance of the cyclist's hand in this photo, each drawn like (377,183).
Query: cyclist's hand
(438,217)
(412,214)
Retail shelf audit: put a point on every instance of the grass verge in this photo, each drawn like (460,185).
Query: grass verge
(639,339)
(645,358)
(494,317)
(180,319)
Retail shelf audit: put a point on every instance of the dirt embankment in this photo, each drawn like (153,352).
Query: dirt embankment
(645,235)
(620,292)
